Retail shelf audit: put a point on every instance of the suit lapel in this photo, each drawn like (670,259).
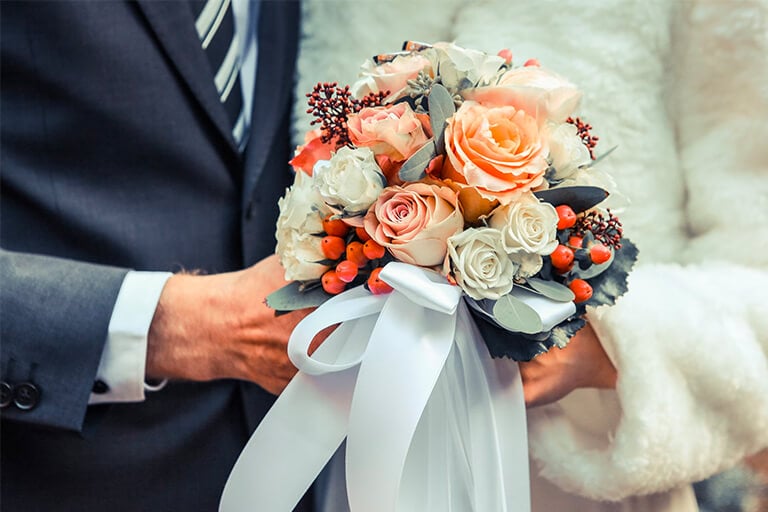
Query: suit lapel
(173,24)
(277,44)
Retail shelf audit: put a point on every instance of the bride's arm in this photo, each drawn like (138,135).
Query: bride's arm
(690,338)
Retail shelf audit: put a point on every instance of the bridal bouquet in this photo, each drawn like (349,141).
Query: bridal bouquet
(458,161)
(446,209)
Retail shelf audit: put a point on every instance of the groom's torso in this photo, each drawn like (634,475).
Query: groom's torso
(116,150)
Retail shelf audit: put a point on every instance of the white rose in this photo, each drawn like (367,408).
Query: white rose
(456,64)
(527,225)
(480,264)
(299,254)
(351,179)
(566,151)
(528,265)
(301,217)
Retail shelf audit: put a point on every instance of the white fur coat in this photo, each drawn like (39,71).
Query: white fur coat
(682,89)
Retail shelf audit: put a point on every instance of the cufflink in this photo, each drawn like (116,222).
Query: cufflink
(100,387)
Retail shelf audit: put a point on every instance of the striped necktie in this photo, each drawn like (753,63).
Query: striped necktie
(215,26)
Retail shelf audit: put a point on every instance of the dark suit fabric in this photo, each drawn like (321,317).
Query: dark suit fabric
(117,155)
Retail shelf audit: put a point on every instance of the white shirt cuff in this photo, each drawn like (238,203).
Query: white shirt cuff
(120,377)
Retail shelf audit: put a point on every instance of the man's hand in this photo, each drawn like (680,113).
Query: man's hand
(218,326)
(581,364)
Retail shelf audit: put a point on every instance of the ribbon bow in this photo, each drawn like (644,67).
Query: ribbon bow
(432,422)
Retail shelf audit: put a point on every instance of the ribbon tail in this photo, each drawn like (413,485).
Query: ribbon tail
(498,423)
(395,382)
(300,433)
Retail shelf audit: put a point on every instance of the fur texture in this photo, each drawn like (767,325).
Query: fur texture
(682,89)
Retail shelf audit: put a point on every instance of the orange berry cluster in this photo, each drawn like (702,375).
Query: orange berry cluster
(355,255)
(563,256)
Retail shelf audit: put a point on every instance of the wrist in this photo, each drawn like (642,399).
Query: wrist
(191,315)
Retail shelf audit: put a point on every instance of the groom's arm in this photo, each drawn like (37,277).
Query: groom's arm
(54,317)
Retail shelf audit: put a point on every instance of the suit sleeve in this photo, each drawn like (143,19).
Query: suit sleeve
(689,340)
(54,317)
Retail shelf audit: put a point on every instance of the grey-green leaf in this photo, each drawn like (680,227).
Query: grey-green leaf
(580,198)
(441,108)
(290,298)
(413,168)
(551,289)
(515,315)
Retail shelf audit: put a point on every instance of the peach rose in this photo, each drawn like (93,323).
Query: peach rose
(415,221)
(394,131)
(314,149)
(391,76)
(533,89)
(499,151)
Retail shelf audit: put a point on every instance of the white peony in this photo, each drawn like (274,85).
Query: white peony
(350,180)
(301,217)
(527,225)
(566,151)
(480,264)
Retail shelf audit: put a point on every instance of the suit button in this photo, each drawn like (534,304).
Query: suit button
(100,387)
(26,396)
(6,394)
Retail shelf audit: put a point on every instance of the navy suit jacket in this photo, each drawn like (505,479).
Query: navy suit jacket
(117,154)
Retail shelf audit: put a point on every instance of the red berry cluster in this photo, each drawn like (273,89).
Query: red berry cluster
(608,231)
(582,129)
(352,254)
(562,258)
(331,105)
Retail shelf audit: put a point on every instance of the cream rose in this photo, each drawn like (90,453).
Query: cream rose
(392,131)
(527,225)
(351,179)
(391,76)
(500,151)
(301,215)
(532,89)
(480,264)
(415,221)
(566,151)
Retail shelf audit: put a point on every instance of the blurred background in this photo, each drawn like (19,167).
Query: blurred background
(741,489)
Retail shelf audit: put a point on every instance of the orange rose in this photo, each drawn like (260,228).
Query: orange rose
(415,222)
(533,89)
(393,131)
(499,151)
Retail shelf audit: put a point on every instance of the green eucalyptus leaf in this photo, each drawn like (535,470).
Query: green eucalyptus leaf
(580,198)
(291,297)
(551,289)
(413,168)
(612,282)
(515,315)
(601,157)
(441,108)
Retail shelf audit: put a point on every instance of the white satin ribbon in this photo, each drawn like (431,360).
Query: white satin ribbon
(432,422)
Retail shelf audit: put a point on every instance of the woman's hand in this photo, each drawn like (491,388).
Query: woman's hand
(581,364)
